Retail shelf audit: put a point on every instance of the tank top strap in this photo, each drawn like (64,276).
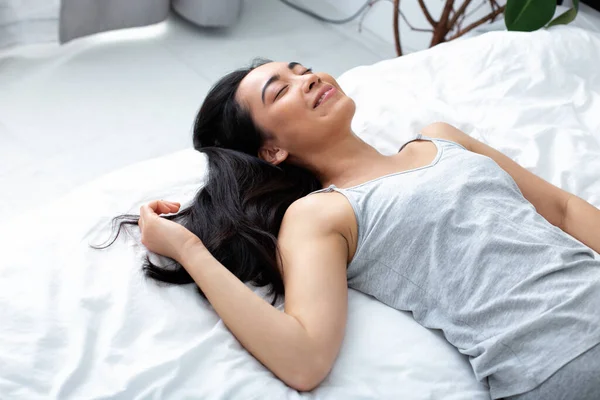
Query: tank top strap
(328,189)
(441,141)
(436,141)
(420,136)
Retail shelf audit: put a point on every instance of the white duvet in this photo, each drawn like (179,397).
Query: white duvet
(80,323)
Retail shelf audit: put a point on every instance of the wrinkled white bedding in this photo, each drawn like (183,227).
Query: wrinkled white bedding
(81,323)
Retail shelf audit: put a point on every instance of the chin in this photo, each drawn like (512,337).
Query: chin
(351,105)
(346,108)
(340,116)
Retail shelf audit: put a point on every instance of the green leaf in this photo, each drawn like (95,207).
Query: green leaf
(566,17)
(528,15)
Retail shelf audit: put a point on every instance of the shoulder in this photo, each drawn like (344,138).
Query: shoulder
(442,130)
(325,212)
(320,217)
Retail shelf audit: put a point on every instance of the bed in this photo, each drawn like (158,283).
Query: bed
(81,323)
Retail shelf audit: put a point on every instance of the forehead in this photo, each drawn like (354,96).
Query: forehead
(251,86)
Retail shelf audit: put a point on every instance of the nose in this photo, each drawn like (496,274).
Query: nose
(310,82)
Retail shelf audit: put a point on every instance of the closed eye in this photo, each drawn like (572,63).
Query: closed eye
(308,71)
(278,93)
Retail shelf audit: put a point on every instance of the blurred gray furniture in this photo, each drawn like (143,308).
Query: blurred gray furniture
(85,17)
(210,13)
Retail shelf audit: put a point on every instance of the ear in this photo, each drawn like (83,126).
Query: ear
(273,155)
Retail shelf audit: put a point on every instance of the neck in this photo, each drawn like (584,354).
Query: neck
(344,163)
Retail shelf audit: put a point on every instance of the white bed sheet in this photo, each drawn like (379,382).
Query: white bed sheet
(81,323)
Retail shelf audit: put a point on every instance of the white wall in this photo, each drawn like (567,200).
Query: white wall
(29,21)
(379,18)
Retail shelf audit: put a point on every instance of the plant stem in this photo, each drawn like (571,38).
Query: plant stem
(427,15)
(412,27)
(397,28)
(475,24)
(441,29)
(458,13)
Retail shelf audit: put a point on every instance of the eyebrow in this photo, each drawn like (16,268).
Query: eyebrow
(275,78)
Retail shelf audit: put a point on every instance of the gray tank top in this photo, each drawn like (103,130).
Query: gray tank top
(457,244)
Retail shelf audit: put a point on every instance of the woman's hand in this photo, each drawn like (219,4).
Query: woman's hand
(161,236)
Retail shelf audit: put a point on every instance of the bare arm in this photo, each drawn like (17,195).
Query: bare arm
(299,345)
(570,213)
(582,221)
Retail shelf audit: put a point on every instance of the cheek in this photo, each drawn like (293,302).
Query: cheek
(286,122)
(274,118)
(289,113)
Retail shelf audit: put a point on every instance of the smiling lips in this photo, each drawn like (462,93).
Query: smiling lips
(324,94)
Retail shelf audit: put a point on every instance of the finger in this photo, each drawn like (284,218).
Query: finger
(153,205)
(163,208)
(174,207)
(157,207)
(148,210)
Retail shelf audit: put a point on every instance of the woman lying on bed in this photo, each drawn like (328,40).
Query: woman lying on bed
(448,228)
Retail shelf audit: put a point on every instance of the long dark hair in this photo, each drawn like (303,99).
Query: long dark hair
(238,213)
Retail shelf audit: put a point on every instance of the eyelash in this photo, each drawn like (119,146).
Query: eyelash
(308,70)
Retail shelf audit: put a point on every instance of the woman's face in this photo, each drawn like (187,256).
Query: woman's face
(302,111)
